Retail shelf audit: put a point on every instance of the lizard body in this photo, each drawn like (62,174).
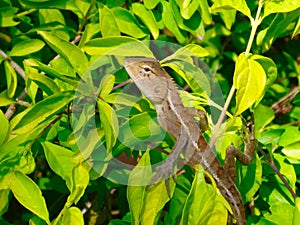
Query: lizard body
(156,84)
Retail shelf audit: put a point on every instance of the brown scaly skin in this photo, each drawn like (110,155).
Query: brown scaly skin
(156,84)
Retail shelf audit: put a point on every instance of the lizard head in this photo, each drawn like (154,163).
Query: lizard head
(149,77)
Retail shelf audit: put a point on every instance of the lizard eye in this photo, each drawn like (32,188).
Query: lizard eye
(147,69)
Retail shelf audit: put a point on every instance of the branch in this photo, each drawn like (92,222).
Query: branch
(271,163)
(280,107)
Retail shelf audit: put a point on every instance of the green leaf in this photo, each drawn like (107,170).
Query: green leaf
(205,12)
(109,122)
(51,72)
(7,15)
(138,178)
(127,23)
(147,17)
(263,115)
(290,136)
(26,47)
(106,85)
(267,36)
(155,199)
(4,200)
(280,213)
(249,178)
(56,4)
(286,169)
(192,74)
(88,146)
(297,29)
(4,99)
(139,129)
(39,112)
(292,150)
(70,52)
(44,82)
(271,136)
(59,160)
(4,131)
(188,7)
(239,5)
(36,221)
(228,16)
(200,201)
(29,195)
(11,79)
(170,22)
(189,50)
(150,4)
(80,180)
(121,98)
(270,69)
(108,23)
(275,6)
(120,46)
(72,216)
(249,80)
(296,217)
(194,25)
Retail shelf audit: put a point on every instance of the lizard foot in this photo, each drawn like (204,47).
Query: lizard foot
(164,171)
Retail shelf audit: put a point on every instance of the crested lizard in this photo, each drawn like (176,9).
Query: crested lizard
(157,85)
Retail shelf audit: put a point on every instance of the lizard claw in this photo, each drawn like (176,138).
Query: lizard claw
(164,171)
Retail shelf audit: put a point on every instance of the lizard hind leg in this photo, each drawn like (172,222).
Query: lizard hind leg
(244,158)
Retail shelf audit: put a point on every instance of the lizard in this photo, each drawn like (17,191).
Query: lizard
(158,86)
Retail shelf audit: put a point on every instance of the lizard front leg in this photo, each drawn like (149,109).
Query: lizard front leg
(168,168)
(244,158)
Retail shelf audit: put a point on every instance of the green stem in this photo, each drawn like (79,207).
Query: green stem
(254,24)
(25,13)
(60,215)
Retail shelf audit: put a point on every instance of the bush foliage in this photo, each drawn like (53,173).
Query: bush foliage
(75,136)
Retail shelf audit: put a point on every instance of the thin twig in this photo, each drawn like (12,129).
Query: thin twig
(16,67)
(281,105)
(274,167)
(122,84)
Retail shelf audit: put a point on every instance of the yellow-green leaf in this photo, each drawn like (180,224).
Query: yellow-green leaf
(11,79)
(29,195)
(249,80)
(27,47)
(70,52)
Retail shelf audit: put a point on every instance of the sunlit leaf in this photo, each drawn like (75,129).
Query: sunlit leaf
(27,47)
(127,23)
(4,127)
(170,22)
(138,178)
(7,16)
(29,195)
(39,112)
(120,46)
(72,216)
(150,4)
(239,5)
(59,160)
(110,123)
(68,51)
(11,79)
(249,80)
(108,23)
(44,82)
(275,6)
(147,17)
